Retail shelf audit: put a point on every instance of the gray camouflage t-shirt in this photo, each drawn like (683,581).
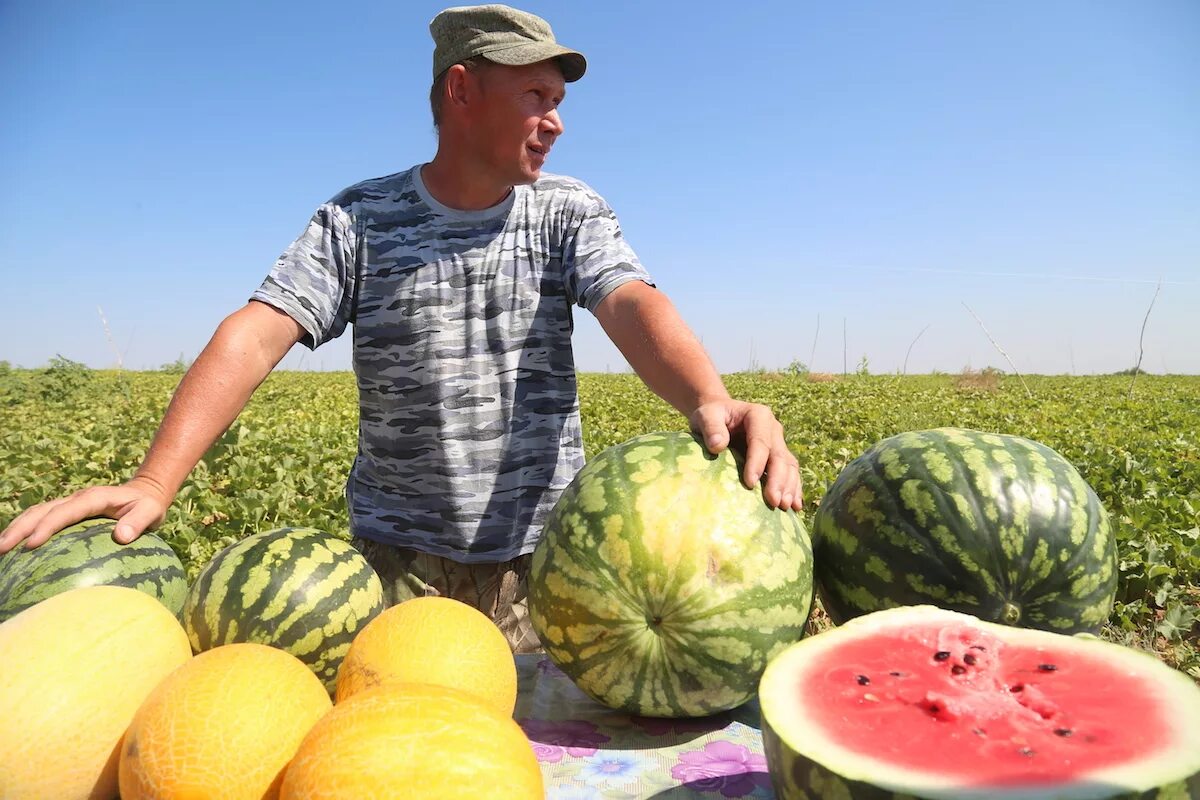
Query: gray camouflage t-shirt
(469,416)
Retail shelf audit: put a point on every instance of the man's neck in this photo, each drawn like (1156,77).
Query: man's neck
(455,183)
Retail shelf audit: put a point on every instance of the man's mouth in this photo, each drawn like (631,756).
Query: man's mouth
(539,150)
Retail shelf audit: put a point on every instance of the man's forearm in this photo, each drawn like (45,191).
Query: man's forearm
(645,326)
(240,355)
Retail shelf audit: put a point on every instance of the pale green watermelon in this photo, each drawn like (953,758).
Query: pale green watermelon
(662,585)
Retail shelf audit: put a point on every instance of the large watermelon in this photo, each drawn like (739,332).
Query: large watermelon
(299,589)
(87,555)
(919,702)
(662,585)
(992,525)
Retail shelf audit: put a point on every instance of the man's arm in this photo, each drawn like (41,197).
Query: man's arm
(245,348)
(645,326)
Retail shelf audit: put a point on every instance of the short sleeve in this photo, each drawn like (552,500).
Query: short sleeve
(596,256)
(314,281)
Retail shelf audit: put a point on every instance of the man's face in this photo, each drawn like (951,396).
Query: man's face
(516,122)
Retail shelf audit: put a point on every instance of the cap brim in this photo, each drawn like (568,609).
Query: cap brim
(572,63)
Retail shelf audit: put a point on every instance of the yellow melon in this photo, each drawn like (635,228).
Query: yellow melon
(222,727)
(416,741)
(73,670)
(432,640)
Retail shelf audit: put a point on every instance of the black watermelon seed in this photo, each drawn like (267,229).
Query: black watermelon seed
(969,659)
(1020,687)
(958,670)
(896,674)
(1047,667)
(934,708)
(1026,751)
(863,680)
(941,655)
(1063,731)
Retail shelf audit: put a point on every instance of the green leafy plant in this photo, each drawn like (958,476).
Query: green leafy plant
(62,379)
(176,367)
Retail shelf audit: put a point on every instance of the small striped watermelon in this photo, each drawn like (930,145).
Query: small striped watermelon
(662,585)
(87,555)
(299,589)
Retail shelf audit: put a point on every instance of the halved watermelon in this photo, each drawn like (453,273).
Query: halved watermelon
(926,703)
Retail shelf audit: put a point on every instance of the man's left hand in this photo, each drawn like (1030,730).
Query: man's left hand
(760,436)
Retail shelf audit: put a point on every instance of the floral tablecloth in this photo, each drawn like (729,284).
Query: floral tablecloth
(588,751)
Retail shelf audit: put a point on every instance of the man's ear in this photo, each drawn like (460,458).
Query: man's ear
(459,87)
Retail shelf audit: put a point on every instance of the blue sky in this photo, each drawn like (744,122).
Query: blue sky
(876,165)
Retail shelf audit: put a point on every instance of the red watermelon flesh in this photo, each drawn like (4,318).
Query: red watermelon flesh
(969,705)
(924,701)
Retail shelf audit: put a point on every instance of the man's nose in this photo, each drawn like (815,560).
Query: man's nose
(553,123)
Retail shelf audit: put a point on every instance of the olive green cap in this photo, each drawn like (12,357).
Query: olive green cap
(501,34)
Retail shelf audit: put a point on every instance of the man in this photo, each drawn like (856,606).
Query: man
(458,277)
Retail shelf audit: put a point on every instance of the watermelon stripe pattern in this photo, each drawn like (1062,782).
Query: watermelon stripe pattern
(87,555)
(662,585)
(997,526)
(299,589)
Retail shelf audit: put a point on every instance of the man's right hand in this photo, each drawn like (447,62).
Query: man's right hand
(137,506)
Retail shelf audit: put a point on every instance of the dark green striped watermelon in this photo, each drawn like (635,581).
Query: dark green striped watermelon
(920,702)
(661,585)
(997,526)
(87,555)
(299,589)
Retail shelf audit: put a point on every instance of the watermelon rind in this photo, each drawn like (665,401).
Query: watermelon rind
(662,585)
(301,590)
(87,555)
(806,763)
(993,525)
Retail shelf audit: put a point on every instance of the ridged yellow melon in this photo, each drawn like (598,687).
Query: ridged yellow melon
(222,727)
(73,670)
(418,742)
(432,640)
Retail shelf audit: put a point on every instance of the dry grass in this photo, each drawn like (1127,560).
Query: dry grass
(984,380)
(818,620)
(821,377)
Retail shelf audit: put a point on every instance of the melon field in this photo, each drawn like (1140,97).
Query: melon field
(283,463)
